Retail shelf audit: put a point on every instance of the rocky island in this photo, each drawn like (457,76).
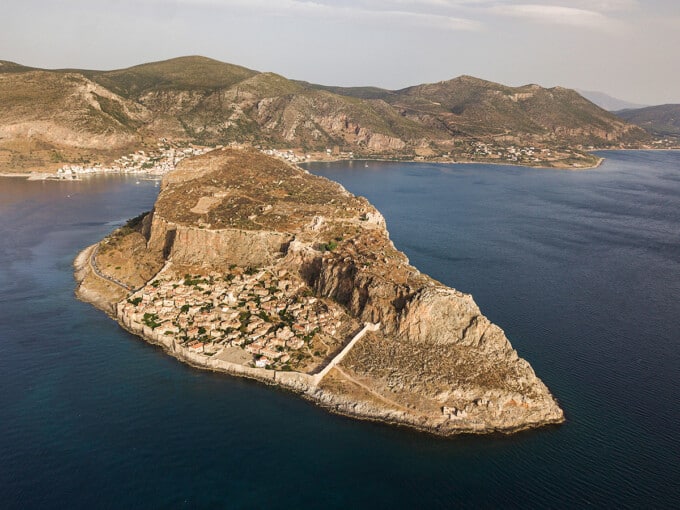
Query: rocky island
(252,266)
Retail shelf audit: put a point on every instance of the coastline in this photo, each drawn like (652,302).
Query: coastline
(661,149)
(466,162)
(35,176)
(154,172)
(297,383)
(46,176)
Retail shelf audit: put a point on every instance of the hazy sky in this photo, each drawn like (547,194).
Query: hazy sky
(627,48)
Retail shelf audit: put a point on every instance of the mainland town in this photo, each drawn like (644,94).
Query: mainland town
(153,162)
(167,154)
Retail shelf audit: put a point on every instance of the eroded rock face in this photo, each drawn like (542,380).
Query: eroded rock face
(196,246)
(435,363)
(443,316)
(435,350)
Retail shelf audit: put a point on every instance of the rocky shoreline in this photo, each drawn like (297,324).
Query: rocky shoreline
(446,161)
(427,328)
(292,382)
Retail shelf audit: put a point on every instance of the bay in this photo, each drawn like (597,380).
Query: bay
(581,269)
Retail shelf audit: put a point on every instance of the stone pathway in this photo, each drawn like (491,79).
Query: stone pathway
(368,327)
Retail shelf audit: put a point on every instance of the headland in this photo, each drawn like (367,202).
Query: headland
(252,266)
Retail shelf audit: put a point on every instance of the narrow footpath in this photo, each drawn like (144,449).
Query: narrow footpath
(374,393)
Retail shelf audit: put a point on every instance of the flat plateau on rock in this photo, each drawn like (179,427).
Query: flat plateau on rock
(251,266)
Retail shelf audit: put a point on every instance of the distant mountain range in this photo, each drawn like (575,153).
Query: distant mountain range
(84,114)
(607,102)
(660,121)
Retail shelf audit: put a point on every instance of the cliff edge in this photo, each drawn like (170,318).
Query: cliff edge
(254,267)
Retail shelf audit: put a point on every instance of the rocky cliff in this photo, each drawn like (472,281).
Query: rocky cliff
(235,222)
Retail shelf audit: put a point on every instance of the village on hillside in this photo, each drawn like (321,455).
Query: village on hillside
(153,162)
(167,155)
(270,315)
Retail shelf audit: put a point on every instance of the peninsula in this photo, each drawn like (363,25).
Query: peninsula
(250,265)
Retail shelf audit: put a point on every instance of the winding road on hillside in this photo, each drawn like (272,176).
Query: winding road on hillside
(95,270)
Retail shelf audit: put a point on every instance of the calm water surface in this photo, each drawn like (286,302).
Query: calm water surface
(582,270)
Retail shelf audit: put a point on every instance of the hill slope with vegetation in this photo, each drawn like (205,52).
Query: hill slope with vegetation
(659,121)
(79,115)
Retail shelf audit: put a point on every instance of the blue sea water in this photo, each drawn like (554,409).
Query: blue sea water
(581,270)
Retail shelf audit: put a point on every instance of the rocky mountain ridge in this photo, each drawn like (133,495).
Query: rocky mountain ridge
(662,121)
(82,115)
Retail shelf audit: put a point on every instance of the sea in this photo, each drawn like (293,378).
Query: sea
(581,270)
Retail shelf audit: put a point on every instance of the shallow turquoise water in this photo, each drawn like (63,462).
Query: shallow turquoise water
(582,270)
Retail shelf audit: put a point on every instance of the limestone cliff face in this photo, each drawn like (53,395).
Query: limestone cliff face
(195,246)
(340,125)
(435,362)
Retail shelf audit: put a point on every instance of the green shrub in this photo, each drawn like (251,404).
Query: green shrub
(151,320)
(329,246)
